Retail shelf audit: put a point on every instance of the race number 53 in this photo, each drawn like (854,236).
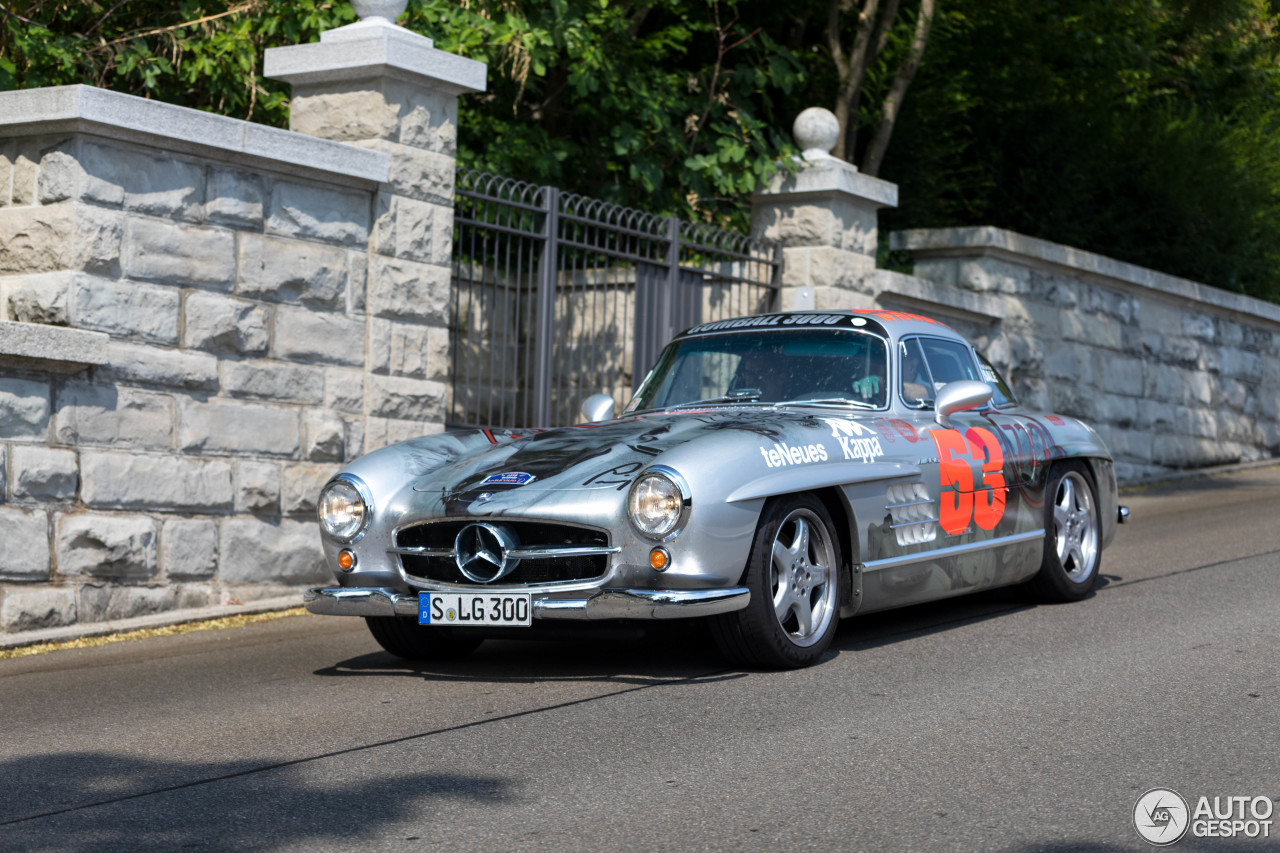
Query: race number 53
(963,460)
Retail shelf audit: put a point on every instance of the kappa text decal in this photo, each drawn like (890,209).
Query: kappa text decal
(857,441)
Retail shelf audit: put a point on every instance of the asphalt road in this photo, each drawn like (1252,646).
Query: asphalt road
(983,723)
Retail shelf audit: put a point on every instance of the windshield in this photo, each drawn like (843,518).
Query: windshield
(816,365)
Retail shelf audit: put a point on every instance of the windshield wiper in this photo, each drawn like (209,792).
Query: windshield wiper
(751,396)
(827,401)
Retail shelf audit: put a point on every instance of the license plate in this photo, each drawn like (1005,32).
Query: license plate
(475,608)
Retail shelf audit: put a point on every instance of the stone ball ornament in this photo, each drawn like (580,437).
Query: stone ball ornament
(816,131)
(387,10)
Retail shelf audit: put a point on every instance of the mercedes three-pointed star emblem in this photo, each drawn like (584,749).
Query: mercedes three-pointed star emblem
(481,552)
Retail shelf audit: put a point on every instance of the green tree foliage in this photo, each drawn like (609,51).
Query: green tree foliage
(206,55)
(671,105)
(1139,129)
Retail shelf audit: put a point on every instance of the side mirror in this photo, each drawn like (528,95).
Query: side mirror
(599,407)
(960,396)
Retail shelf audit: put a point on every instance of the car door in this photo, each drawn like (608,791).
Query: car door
(1025,440)
(983,457)
(964,525)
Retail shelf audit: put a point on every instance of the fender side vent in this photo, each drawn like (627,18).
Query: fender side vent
(914,513)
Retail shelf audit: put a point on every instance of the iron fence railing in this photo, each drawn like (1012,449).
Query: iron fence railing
(557,296)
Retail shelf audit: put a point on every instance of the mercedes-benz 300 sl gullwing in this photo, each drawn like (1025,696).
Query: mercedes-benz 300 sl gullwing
(772,475)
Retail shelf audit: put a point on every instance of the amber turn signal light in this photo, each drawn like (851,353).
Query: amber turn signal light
(346,560)
(659,559)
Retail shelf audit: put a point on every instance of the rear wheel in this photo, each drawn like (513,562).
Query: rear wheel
(405,638)
(793,573)
(1072,547)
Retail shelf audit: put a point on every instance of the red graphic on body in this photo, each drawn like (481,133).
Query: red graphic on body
(963,460)
(905,429)
(886,431)
(885,316)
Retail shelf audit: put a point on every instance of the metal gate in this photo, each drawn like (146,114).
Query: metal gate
(557,297)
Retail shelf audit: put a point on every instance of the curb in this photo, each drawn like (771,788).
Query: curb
(155,620)
(1194,474)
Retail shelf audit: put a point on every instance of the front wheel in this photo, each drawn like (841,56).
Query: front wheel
(405,638)
(1072,547)
(793,573)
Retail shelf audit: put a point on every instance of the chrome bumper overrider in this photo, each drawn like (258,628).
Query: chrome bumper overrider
(604,604)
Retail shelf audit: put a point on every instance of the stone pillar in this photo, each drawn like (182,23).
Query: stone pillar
(825,217)
(380,86)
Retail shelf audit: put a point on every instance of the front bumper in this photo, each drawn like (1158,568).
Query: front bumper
(603,604)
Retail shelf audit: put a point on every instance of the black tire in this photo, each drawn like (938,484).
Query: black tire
(1072,536)
(794,608)
(405,638)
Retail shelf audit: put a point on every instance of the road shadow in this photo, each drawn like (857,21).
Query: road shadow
(101,802)
(657,653)
(627,655)
(887,627)
(874,630)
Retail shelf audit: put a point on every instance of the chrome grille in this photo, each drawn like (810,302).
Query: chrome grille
(548,552)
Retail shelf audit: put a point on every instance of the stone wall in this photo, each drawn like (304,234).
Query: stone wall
(1174,374)
(183,470)
(201,319)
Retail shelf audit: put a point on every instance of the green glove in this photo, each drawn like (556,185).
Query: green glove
(867,386)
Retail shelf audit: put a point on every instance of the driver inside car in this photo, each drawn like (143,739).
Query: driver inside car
(915,376)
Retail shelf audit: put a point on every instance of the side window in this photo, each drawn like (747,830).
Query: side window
(948,362)
(1001,395)
(917,385)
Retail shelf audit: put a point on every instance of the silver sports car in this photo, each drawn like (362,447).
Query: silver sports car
(772,475)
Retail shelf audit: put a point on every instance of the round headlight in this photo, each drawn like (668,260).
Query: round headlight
(343,510)
(657,503)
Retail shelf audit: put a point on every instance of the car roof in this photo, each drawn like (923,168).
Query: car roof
(884,322)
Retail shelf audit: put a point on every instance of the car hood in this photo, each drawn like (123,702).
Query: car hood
(725,453)
(600,456)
